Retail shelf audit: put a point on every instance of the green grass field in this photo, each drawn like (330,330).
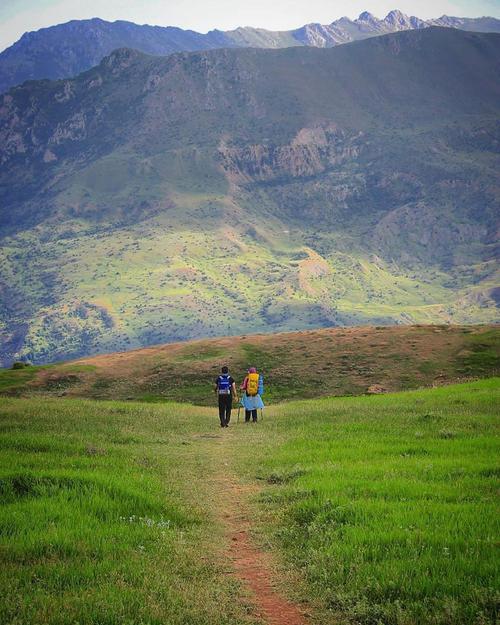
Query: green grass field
(388,505)
(383,509)
(106,516)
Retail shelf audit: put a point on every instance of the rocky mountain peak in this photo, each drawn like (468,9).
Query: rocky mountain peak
(366,16)
(121,58)
(446,20)
(397,18)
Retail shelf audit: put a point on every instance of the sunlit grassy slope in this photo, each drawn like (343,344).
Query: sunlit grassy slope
(240,272)
(383,509)
(388,506)
(106,517)
(339,361)
(162,280)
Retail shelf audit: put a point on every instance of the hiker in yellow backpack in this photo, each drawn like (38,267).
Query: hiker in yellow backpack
(253,387)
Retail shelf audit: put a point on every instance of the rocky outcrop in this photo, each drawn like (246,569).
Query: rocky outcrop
(120,59)
(376,389)
(427,232)
(73,129)
(396,20)
(345,30)
(322,36)
(312,151)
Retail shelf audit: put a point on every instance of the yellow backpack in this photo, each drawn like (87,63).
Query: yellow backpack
(253,384)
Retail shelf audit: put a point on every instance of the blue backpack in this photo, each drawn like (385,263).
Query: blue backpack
(223,384)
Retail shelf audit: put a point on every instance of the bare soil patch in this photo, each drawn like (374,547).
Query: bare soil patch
(253,566)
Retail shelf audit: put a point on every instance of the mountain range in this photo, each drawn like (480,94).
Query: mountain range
(153,199)
(68,49)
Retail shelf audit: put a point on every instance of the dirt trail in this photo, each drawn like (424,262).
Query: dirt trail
(252,566)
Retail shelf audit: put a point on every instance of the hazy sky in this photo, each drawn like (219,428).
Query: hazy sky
(19,16)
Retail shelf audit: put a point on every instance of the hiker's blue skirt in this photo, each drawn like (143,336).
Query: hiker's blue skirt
(252,403)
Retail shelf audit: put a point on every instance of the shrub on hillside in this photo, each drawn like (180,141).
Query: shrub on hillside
(21,365)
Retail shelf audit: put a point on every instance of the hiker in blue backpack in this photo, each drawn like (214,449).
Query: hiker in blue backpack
(225,389)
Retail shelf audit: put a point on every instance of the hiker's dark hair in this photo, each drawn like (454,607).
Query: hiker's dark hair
(225,369)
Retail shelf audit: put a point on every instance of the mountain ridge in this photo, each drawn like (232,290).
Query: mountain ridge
(66,50)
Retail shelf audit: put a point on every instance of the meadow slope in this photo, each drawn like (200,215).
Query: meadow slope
(373,509)
(297,365)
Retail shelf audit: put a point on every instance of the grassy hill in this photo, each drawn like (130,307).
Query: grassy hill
(343,361)
(237,191)
(380,509)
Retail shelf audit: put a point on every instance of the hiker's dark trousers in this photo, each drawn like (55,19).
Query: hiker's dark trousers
(225,406)
(250,413)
